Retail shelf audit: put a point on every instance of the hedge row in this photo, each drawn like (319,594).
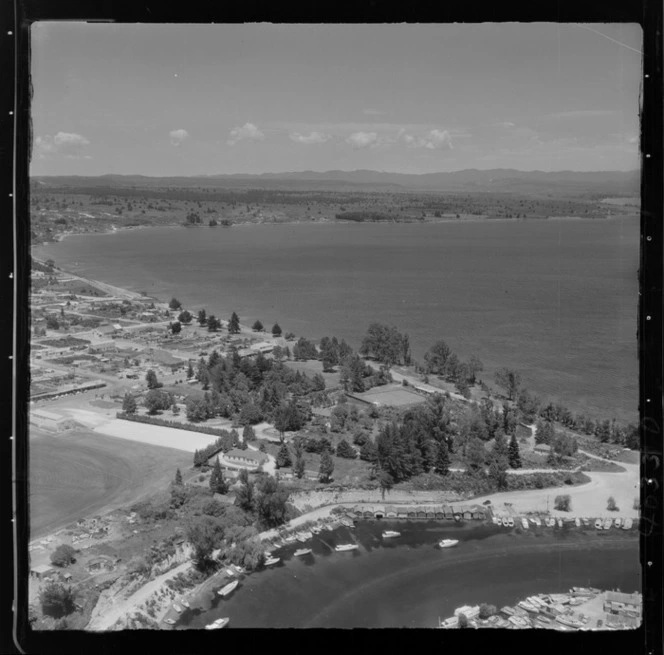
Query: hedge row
(153,420)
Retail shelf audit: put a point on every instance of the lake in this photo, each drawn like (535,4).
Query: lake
(409,582)
(556,300)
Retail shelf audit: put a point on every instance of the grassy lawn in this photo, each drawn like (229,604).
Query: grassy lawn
(313,366)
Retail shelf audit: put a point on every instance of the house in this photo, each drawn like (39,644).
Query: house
(42,571)
(103,347)
(103,331)
(248,458)
(165,359)
(542,448)
(49,420)
(616,602)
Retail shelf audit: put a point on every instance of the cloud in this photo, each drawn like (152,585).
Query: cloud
(248,132)
(363,139)
(433,140)
(178,137)
(314,137)
(64,144)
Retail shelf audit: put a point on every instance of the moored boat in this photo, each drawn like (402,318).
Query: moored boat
(627,525)
(533,521)
(617,522)
(550,522)
(177,608)
(347,522)
(510,521)
(538,521)
(270,561)
(524,523)
(388,534)
(598,524)
(344,547)
(496,520)
(219,623)
(507,610)
(185,603)
(560,523)
(302,538)
(529,607)
(316,529)
(302,551)
(585,522)
(169,621)
(505,522)
(228,589)
(607,524)
(577,522)
(448,543)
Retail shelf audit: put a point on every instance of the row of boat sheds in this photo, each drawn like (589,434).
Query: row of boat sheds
(457,512)
(583,608)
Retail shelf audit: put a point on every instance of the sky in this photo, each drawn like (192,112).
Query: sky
(169,100)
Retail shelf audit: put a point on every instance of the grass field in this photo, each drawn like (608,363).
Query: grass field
(80,473)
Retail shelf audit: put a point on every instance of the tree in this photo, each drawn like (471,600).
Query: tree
(436,358)
(217,483)
(185,317)
(326,467)
(475,366)
(175,327)
(129,404)
(234,324)
(202,534)
(513,454)
(244,496)
(345,450)
(509,381)
(276,330)
(248,434)
(487,610)
(476,455)
(498,470)
(156,400)
(56,599)
(369,452)
(190,371)
(52,323)
(178,478)
(213,323)
(257,326)
(63,555)
(175,304)
(283,457)
(563,503)
(611,505)
(151,379)
(442,464)
(271,502)
(202,317)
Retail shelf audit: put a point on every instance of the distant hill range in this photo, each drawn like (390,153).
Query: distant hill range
(502,180)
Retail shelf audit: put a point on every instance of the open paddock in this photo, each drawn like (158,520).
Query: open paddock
(79,473)
(390,395)
(156,435)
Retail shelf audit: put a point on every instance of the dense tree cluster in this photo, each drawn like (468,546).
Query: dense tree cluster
(441,360)
(387,345)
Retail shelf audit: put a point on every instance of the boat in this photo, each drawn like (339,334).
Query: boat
(560,523)
(347,522)
(496,520)
(538,522)
(510,522)
(458,517)
(550,522)
(507,610)
(169,621)
(524,523)
(177,608)
(569,622)
(617,522)
(518,621)
(529,607)
(316,529)
(533,521)
(229,588)
(270,561)
(586,522)
(505,522)
(185,603)
(388,534)
(598,524)
(448,543)
(344,547)
(302,538)
(607,524)
(627,525)
(302,551)
(290,538)
(328,526)
(577,522)
(219,623)
(537,602)
(307,534)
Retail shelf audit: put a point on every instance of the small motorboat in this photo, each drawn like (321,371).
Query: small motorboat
(560,523)
(627,525)
(271,561)
(505,522)
(510,522)
(533,521)
(345,547)
(302,538)
(302,551)
(347,522)
(607,524)
(316,529)
(177,608)
(389,534)
(185,603)
(524,523)
(529,607)
(598,524)
(550,522)
(577,522)
(228,589)
(219,623)
(586,522)
(496,520)
(538,522)
(169,621)
(328,526)
(447,543)
(617,522)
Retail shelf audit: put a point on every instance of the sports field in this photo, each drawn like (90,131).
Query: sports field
(81,473)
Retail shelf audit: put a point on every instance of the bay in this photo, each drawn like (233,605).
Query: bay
(555,300)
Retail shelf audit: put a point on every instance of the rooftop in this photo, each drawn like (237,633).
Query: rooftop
(254,455)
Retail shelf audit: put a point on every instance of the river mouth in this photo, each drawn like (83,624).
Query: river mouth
(410,582)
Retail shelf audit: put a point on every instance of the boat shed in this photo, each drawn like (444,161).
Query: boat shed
(440,512)
(391,511)
(379,512)
(357,510)
(412,512)
(431,513)
(447,510)
(402,512)
(467,514)
(368,513)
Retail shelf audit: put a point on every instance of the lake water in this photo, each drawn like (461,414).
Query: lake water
(556,300)
(408,582)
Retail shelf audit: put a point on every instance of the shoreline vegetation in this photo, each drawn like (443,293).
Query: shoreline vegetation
(466,441)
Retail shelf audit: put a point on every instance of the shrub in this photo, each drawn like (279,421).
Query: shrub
(563,503)
(611,504)
(57,600)
(487,610)
(63,555)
